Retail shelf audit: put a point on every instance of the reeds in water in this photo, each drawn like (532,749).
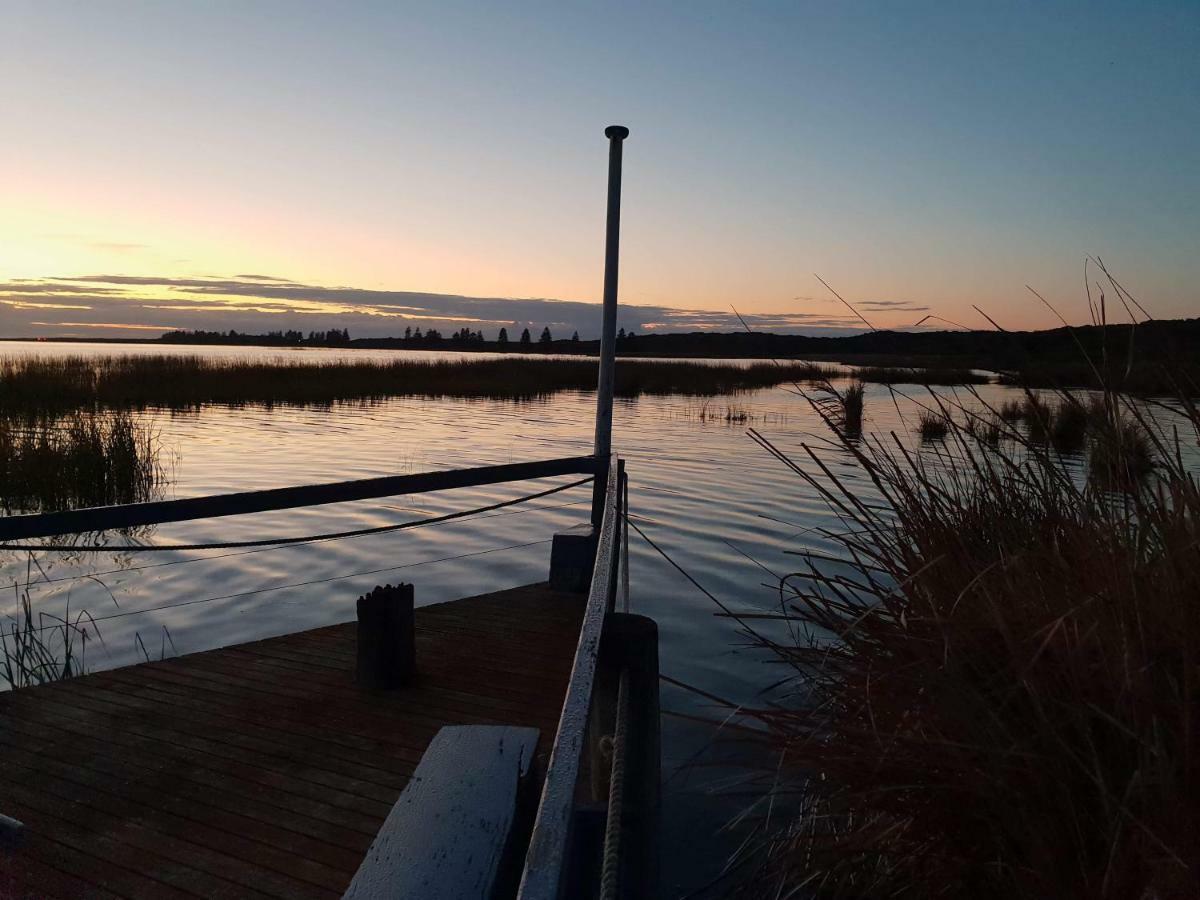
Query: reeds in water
(995,689)
(932,425)
(40,385)
(37,648)
(83,458)
(852,407)
(903,375)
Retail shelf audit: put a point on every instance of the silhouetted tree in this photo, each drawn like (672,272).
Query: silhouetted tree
(526,340)
(408,333)
(575,338)
(545,338)
(621,335)
(502,338)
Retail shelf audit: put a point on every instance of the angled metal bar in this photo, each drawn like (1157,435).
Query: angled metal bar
(103,518)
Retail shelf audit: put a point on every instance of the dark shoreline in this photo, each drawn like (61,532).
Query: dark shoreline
(1152,357)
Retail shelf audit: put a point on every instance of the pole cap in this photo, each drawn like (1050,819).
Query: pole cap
(616,132)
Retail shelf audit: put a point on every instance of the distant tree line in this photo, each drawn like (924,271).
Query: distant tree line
(335,337)
(414,337)
(1136,356)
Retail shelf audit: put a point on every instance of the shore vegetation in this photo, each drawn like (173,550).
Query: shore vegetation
(76,459)
(993,688)
(47,384)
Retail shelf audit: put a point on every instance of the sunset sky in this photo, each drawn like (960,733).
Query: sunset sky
(259,165)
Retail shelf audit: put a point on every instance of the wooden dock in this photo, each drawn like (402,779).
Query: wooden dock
(258,770)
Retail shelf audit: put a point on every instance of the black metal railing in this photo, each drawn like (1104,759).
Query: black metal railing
(133,515)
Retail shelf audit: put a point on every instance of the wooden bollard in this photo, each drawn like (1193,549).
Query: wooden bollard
(386,639)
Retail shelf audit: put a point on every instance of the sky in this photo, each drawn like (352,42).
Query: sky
(372,166)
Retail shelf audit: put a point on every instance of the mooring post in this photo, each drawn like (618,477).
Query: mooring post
(616,134)
(386,638)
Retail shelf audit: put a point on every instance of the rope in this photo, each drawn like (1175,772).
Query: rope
(281,587)
(196,559)
(610,873)
(278,542)
(625,544)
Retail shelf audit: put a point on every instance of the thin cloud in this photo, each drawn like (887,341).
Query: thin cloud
(258,302)
(269,278)
(37,304)
(120,325)
(22,286)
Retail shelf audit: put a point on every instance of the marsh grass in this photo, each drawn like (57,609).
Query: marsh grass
(932,425)
(82,458)
(926,376)
(40,385)
(841,408)
(993,681)
(40,647)
(852,407)
(729,413)
(1122,450)
(1069,428)
(1011,410)
(988,428)
(708,411)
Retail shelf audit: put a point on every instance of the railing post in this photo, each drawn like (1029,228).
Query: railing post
(616,134)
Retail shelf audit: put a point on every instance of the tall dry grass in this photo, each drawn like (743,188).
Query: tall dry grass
(996,683)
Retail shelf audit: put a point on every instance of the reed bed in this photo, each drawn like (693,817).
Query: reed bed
(928,376)
(932,425)
(722,413)
(82,458)
(851,401)
(119,382)
(992,690)
(1117,444)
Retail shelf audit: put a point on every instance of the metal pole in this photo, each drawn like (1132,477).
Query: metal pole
(608,334)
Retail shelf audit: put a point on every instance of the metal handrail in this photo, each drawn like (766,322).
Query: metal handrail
(548,844)
(132,515)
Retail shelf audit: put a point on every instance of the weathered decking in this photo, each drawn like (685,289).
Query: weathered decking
(258,770)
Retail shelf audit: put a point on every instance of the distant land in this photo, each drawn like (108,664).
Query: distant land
(1155,355)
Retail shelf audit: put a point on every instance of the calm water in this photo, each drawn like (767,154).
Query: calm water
(720,506)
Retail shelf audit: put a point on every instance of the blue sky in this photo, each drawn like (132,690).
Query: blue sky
(913,154)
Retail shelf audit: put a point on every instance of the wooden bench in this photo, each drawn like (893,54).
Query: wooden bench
(457,826)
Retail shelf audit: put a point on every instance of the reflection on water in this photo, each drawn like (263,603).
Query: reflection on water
(723,509)
(84,458)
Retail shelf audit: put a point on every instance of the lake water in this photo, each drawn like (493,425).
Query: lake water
(723,509)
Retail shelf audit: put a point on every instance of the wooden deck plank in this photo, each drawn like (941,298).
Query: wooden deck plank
(260,769)
(222,794)
(241,779)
